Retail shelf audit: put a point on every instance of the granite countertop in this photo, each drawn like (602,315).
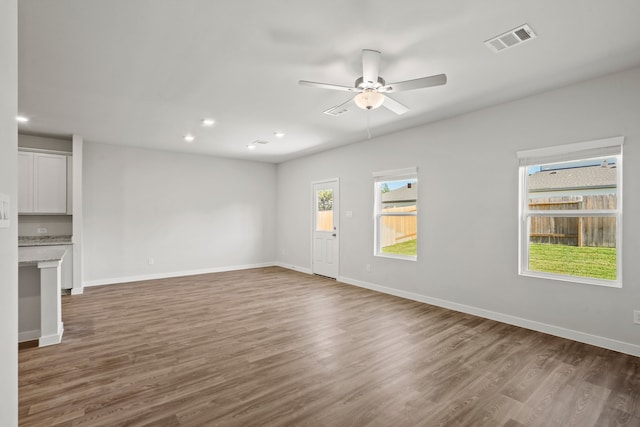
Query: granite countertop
(32,255)
(43,240)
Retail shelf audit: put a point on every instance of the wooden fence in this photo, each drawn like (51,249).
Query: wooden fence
(574,231)
(398,229)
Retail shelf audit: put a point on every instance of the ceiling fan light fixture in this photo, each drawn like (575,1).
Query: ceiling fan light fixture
(369,99)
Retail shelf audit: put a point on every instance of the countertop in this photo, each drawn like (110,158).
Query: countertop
(32,255)
(43,240)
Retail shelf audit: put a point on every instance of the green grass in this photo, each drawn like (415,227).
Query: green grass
(571,260)
(407,248)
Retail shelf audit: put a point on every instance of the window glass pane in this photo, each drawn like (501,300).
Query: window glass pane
(575,246)
(398,235)
(398,217)
(324,210)
(577,185)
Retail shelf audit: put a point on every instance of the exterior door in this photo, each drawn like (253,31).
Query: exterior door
(325,229)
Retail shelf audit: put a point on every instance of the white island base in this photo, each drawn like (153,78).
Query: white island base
(40,302)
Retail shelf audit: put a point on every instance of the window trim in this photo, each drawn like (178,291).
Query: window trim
(609,147)
(378,179)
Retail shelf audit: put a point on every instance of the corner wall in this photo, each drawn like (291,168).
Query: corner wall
(9,236)
(189,213)
(468,211)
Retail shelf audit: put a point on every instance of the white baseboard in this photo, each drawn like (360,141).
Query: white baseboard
(139,278)
(28,335)
(77,291)
(622,347)
(294,267)
(53,338)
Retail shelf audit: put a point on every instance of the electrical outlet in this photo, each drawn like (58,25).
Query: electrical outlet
(636,316)
(42,230)
(151,261)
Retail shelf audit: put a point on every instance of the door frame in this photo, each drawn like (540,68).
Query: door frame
(336,220)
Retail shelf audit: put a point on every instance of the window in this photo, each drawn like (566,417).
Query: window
(396,213)
(571,212)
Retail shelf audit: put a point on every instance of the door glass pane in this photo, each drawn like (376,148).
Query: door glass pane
(575,246)
(324,210)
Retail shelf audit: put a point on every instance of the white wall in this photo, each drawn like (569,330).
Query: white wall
(189,212)
(9,236)
(468,236)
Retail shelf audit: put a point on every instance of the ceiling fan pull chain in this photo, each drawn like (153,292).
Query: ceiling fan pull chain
(368,127)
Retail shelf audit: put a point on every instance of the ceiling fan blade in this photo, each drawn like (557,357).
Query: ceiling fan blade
(342,108)
(423,82)
(393,105)
(328,86)
(370,67)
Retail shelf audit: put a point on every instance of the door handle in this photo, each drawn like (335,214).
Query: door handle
(334,234)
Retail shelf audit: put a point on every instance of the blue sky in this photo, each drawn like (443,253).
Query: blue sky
(566,165)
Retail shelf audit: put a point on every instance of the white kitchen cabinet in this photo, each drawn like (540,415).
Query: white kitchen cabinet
(42,183)
(25,182)
(66,268)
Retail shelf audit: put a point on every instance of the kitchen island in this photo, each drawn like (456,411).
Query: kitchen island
(40,301)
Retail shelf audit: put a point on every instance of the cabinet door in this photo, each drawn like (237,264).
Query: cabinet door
(66,269)
(50,183)
(25,182)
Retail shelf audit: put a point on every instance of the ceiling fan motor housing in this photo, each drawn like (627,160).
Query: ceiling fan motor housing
(360,83)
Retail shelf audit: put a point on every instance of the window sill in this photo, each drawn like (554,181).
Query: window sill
(395,256)
(573,279)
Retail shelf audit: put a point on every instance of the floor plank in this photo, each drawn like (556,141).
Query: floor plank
(271,346)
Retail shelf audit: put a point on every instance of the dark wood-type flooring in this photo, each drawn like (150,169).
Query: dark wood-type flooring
(271,346)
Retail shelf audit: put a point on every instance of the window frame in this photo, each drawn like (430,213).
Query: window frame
(379,178)
(609,147)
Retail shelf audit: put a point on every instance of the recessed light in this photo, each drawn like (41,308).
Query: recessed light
(279,134)
(208,122)
(251,146)
(189,138)
(22,119)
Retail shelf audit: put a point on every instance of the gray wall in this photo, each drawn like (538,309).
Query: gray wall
(468,211)
(188,212)
(9,236)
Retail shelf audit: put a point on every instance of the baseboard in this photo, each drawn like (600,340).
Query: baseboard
(52,339)
(294,267)
(28,335)
(139,278)
(77,291)
(620,346)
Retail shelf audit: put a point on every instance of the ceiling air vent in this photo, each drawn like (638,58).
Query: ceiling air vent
(511,38)
(337,110)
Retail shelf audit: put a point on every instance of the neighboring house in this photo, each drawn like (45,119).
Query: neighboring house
(403,196)
(581,181)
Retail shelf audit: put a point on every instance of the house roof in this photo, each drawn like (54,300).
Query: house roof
(573,178)
(402,194)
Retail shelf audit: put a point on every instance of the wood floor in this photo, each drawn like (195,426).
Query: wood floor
(270,347)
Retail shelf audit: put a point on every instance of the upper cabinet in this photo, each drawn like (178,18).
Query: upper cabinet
(42,183)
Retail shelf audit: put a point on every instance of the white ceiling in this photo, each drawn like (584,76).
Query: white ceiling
(145,72)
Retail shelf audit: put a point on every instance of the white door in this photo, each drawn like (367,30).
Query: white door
(325,228)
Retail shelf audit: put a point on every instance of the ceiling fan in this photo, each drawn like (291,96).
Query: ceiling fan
(372,89)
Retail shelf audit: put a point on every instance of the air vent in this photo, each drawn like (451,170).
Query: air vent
(511,38)
(337,110)
(260,141)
